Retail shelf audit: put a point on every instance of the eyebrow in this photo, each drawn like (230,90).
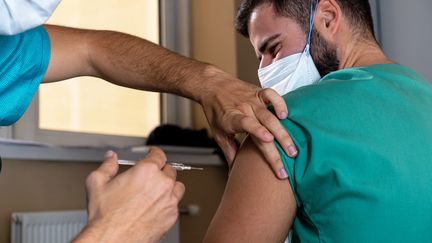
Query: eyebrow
(265,43)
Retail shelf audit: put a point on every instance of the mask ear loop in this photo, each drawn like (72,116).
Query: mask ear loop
(313,7)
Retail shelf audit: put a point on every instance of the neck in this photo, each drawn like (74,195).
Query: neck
(361,53)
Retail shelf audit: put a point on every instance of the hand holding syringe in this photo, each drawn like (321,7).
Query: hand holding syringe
(175,165)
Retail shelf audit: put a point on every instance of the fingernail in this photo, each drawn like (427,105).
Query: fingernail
(283,115)
(109,154)
(283,174)
(292,150)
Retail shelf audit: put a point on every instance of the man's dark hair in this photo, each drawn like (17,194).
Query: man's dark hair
(358,12)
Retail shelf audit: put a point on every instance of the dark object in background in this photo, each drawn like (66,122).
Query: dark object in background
(176,136)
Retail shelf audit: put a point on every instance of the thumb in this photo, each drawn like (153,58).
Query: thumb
(106,171)
(109,166)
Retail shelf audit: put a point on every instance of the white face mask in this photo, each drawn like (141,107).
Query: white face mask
(294,71)
(289,73)
(17,16)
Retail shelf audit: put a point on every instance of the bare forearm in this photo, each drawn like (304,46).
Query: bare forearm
(127,61)
(137,63)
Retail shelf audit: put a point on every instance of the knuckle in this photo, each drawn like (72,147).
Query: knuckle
(172,218)
(157,153)
(266,116)
(173,202)
(167,184)
(174,212)
(271,154)
(256,132)
(150,166)
(161,154)
(245,121)
(147,170)
(268,92)
(283,136)
(264,91)
(180,186)
(279,105)
(243,107)
(93,178)
(259,129)
(172,171)
(275,160)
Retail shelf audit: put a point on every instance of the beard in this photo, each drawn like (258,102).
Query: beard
(323,54)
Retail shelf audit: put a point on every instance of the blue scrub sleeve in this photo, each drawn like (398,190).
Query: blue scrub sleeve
(24,59)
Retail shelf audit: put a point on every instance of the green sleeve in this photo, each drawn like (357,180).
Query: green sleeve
(295,167)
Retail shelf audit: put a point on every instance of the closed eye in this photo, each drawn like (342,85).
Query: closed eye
(274,50)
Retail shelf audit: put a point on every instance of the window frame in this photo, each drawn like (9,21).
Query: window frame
(175,32)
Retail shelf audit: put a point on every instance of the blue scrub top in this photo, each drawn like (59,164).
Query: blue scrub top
(24,59)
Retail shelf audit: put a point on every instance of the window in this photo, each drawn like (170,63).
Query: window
(82,105)
(87,111)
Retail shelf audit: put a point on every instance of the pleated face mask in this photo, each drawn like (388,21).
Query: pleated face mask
(293,71)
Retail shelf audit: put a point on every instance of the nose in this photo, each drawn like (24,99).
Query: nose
(265,61)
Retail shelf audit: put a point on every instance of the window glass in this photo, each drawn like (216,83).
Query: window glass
(91,105)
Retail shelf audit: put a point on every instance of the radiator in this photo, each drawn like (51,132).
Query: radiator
(59,227)
(47,227)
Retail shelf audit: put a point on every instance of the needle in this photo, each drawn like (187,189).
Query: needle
(175,165)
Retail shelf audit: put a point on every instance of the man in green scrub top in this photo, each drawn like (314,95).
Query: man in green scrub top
(364,133)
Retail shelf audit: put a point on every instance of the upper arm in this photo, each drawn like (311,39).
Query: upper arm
(69,53)
(256,206)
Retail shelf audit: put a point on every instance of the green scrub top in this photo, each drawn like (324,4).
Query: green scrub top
(364,168)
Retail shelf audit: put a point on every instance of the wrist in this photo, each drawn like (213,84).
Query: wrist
(211,81)
(98,231)
(91,233)
(112,232)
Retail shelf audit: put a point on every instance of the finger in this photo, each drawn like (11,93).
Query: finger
(156,156)
(228,146)
(169,171)
(179,190)
(275,126)
(272,156)
(270,96)
(253,126)
(106,171)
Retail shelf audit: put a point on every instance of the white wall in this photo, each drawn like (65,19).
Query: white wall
(406,33)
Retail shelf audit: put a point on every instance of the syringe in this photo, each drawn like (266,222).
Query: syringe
(175,165)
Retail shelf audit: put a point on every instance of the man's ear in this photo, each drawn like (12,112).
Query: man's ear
(328,19)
